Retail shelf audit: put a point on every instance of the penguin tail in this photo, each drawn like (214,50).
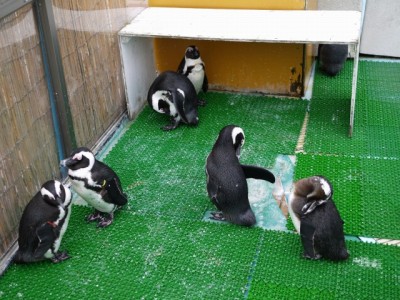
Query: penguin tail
(258,173)
(114,189)
(246,218)
(18,257)
(24,257)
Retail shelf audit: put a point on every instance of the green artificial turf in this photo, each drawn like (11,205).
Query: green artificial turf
(377,117)
(158,257)
(164,172)
(159,247)
(371,272)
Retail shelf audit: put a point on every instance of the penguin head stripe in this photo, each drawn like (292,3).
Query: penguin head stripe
(238,139)
(56,192)
(57,186)
(161,102)
(80,162)
(77,156)
(46,192)
(326,187)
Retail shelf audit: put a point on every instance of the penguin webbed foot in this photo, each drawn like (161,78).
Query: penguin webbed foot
(201,102)
(106,220)
(94,216)
(217,216)
(171,126)
(315,256)
(60,256)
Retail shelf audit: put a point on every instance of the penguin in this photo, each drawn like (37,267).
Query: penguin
(173,94)
(96,183)
(332,58)
(226,178)
(317,219)
(193,68)
(43,224)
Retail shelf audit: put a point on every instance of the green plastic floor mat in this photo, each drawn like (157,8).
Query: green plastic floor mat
(164,172)
(158,246)
(141,257)
(150,257)
(364,190)
(377,121)
(371,272)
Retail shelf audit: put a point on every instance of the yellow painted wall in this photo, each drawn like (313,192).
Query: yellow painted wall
(253,67)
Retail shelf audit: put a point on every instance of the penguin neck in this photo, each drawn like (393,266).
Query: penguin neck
(193,62)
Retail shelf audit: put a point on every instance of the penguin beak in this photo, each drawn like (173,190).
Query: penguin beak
(67,162)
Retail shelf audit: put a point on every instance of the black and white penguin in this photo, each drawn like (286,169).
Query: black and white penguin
(96,183)
(332,58)
(173,94)
(193,68)
(226,178)
(317,219)
(43,224)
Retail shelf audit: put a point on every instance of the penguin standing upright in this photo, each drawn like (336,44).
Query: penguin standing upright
(173,94)
(226,178)
(193,68)
(96,183)
(332,58)
(43,224)
(317,219)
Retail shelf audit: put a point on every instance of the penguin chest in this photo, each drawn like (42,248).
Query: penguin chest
(196,76)
(64,219)
(92,197)
(293,215)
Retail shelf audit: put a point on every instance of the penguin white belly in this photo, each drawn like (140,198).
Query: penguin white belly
(295,219)
(92,198)
(197,77)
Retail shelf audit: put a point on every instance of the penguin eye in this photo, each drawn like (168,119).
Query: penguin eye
(77,156)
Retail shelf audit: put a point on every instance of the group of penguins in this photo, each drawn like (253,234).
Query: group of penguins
(313,212)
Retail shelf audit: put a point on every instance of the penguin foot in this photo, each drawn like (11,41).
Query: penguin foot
(217,216)
(169,127)
(315,257)
(106,220)
(93,217)
(201,102)
(60,256)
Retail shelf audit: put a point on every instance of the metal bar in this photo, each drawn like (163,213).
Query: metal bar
(354,89)
(62,113)
(9,6)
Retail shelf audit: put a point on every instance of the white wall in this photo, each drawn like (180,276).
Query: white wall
(381,24)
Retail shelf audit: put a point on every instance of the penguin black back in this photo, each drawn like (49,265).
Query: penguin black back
(173,94)
(332,58)
(43,223)
(96,183)
(226,177)
(317,219)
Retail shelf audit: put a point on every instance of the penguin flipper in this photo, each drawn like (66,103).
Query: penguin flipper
(181,66)
(46,236)
(179,101)
(205,83)
(258,173)
(115,192)
(307,233)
